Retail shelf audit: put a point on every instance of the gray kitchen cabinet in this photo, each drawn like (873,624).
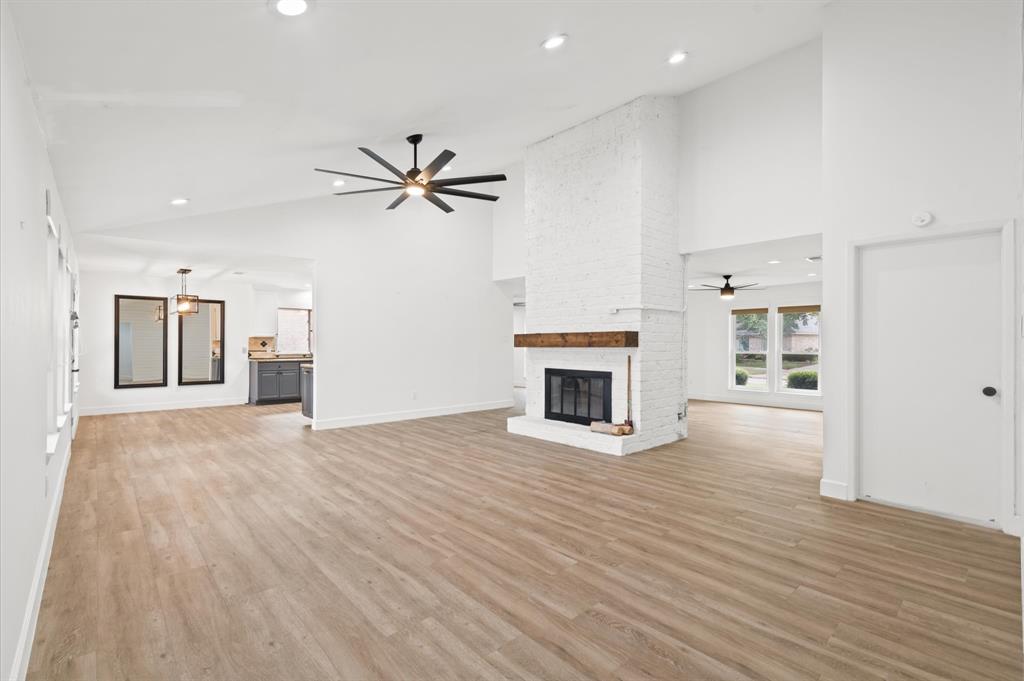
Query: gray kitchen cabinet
(274,382)
(307,391)
(289,384)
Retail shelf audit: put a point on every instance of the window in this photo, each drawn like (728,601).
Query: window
(799,347)
(750,349)
(293,330)
(776,349)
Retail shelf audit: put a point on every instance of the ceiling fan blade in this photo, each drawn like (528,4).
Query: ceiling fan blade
(397,202)
(744,286)
(397,173)
(704,290)
(368,191)
(429,196)
(474,179)
(435,166)
(468,195)
(717,288)
(363,177)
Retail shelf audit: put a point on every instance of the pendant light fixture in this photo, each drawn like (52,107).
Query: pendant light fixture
(184,304)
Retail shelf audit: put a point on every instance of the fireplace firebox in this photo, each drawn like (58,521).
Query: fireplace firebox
(578,396)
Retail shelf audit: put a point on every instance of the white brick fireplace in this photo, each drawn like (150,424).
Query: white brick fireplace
(603,255)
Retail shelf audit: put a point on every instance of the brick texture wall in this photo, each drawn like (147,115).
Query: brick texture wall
(602,235)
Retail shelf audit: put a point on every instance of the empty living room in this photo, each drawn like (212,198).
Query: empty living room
(423,340)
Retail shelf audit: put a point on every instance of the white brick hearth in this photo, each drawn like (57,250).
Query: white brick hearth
(602,255)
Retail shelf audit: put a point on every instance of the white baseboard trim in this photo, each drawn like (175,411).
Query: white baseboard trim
(162,406)
(806,404)
(22,654)
(388,417)
(1015,526)
(834,489)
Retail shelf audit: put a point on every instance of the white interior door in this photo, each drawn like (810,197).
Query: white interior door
(929,338)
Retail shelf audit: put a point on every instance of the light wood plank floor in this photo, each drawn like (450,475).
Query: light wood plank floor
(235,543)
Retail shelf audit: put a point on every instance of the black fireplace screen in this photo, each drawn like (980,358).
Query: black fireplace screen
(578,396)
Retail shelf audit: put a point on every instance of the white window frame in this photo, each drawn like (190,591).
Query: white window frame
(773,355)
(732,356)
(780,386)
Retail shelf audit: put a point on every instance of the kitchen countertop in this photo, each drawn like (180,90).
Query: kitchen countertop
(280,359)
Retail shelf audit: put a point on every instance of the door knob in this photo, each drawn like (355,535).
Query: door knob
(988,391)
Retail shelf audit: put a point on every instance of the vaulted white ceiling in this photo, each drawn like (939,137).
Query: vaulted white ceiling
(231,104)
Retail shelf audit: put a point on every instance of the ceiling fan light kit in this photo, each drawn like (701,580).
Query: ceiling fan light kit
(416,182)
(727,292)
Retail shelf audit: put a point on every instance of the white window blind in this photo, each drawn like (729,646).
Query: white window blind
(292,330)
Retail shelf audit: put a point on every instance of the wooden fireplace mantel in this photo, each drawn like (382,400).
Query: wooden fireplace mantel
(579,339)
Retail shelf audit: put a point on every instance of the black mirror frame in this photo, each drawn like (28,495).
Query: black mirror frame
(223,357)
(117,341)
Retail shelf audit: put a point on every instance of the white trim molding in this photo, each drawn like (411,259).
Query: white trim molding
(23,652)
(161,406)
(759,399)
(835,489)
(391,416)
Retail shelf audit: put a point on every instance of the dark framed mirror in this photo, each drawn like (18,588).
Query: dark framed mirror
(201,344)
(140,341)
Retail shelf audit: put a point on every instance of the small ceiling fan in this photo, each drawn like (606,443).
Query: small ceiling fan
(416,182)
(727,292)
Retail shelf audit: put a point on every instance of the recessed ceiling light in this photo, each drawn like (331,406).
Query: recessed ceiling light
(812,274)
(774,262)
(446,168)
(179,201)
(291,8)
(555,41)
(677,58)
(339,183)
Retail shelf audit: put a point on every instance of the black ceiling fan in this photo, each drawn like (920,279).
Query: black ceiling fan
(416,182)
(727,292)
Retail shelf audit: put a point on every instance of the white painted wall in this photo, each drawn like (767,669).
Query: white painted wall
(749,162)
(96,373)
(408,321)
(707,349)
(508,223)
(929,118)
(266,303)
(750,154)
(30,485)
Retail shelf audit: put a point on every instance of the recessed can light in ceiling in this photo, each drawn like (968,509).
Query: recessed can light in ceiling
(291,8)
(555,41)
(812,274)
(180,201)
(677,58)
(339,183)
(774,262)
